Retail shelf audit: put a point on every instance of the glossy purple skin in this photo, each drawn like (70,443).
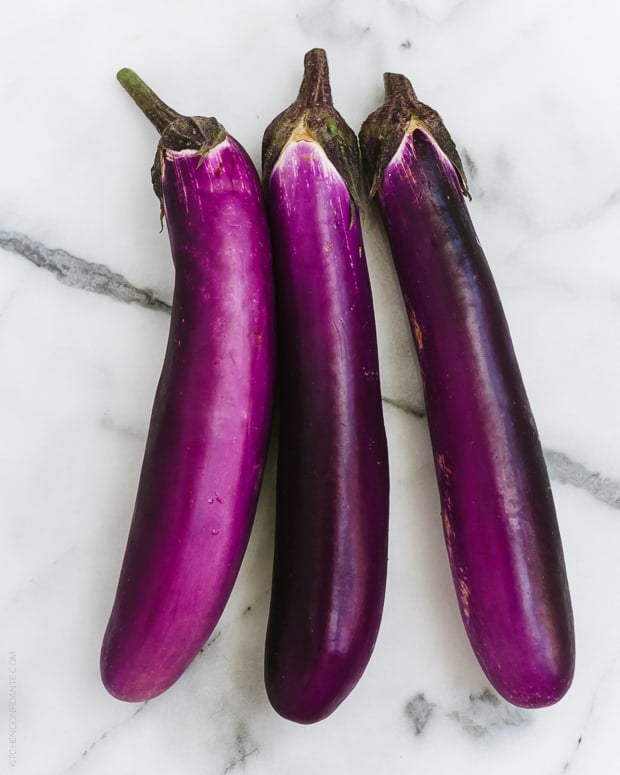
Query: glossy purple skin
(209,429)
(332,490)
(499,518)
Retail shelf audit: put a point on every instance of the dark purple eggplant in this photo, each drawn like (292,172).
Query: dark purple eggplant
(332,478)
(209,429)
(498,513)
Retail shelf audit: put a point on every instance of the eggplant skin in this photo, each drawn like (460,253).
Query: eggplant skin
(498,513)
(209,429)
(332,478)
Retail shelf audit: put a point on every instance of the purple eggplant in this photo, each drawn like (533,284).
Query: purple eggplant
(498,514)
(209,429)
(332,471)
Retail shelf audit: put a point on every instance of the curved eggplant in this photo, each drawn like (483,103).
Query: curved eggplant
(498,514)
(209,429)
(332,479)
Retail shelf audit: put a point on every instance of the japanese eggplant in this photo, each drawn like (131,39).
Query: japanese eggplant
(499,519)
(332,477)
(210,424)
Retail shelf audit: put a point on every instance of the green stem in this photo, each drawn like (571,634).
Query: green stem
(155,109)
(315,88)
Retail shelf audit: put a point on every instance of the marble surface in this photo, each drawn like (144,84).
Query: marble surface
(529,91)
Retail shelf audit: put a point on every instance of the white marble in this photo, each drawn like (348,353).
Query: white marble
(529,91)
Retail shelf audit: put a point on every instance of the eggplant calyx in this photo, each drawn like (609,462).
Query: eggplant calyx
(186,133)
(402,113)
(312,117)
(178,133)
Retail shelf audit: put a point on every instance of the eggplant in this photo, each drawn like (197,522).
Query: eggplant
(209,429)
(332,488)
(499,519)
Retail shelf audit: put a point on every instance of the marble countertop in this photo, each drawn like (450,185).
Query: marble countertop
(529,91)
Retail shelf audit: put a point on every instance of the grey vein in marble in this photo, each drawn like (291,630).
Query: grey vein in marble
(78,273)
(560,466)
(569,763)
(596,212)
(603,681)
(245,748)
(108,423)
(419,711)
(593,214)
(243,752)
(103,736)
(473,175)
(215,637)
(568,471)
(486,712)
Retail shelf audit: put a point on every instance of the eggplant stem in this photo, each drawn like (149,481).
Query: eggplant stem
(315,88)
(153,107)
(398,86)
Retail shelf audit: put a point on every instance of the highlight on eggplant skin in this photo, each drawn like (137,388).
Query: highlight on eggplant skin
(332,470)
(209,429)
(499,518)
